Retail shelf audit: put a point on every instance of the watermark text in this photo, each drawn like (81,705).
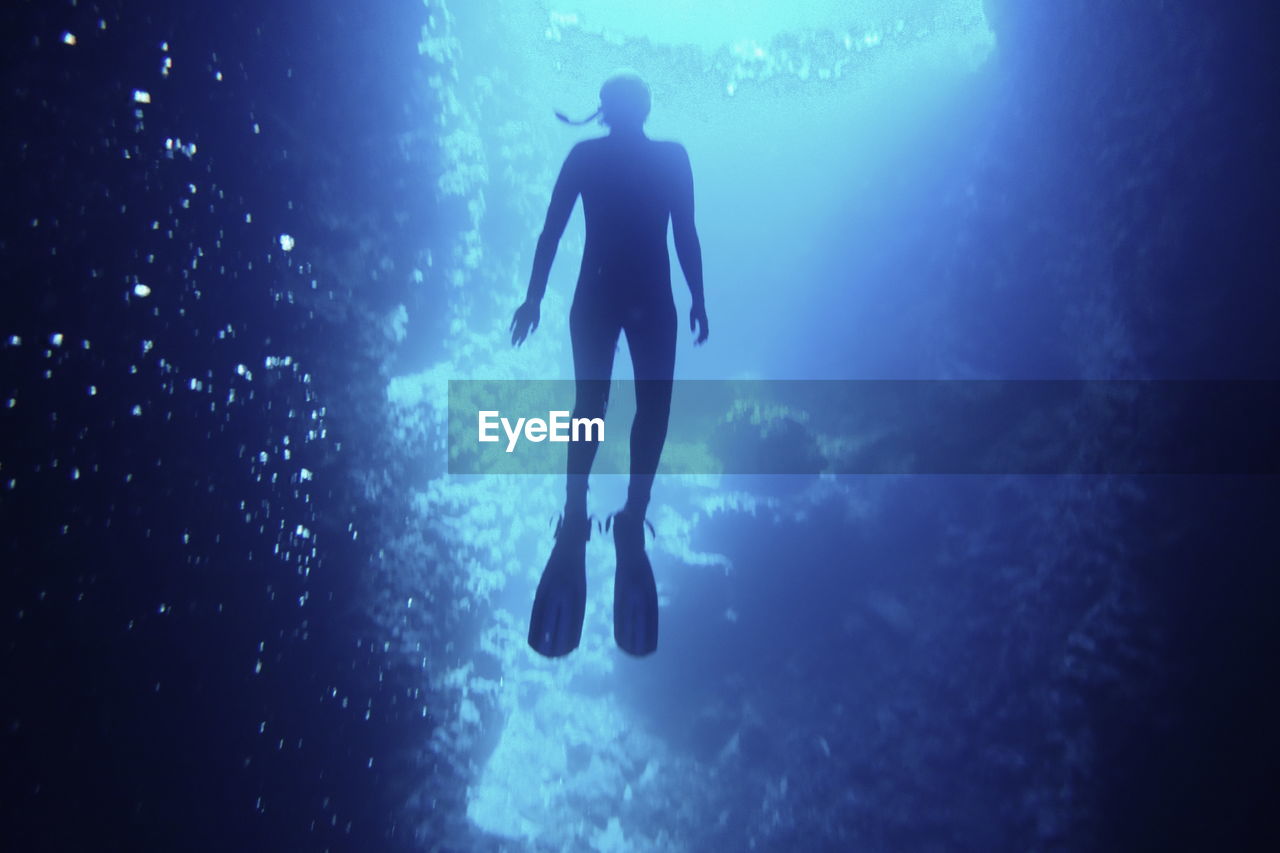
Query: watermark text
(558,426)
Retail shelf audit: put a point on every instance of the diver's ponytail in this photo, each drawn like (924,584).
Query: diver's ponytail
(564,118)
(624,97)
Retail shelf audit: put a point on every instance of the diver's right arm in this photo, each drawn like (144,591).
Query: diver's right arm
(688,247)
(563,197)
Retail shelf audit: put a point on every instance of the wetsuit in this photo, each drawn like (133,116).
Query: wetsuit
(628,189)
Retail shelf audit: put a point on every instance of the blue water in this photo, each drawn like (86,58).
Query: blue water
(245,248)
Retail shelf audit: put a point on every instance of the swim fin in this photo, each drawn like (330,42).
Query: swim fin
(635,595)
(555,626)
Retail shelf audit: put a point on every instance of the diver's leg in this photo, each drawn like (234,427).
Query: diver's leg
(559,605)
(651,338)
(594,331)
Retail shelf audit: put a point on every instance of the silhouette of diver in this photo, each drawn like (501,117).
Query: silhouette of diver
(630,186)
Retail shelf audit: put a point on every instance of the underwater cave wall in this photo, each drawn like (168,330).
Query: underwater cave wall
(199,299)
(1163,107)
(1148,123)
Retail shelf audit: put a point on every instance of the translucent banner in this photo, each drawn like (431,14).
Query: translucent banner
(880,427)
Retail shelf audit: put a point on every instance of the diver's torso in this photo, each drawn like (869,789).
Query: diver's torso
(627,188)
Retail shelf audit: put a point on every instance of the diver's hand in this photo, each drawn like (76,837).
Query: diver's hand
(698,323)
(524,321)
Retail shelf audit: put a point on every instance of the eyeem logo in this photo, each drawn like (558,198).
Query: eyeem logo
(558,427)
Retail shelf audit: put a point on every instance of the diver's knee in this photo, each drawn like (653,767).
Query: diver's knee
(591,406)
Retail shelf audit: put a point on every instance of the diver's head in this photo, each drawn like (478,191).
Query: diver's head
(624,102)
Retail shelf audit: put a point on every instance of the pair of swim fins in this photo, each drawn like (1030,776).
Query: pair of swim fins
(555,627)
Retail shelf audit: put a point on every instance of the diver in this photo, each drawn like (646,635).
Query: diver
(631,186)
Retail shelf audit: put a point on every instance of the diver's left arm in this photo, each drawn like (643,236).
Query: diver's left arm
(563,198)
